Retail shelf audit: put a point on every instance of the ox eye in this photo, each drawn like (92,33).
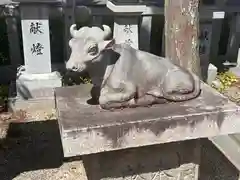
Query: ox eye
(93,50)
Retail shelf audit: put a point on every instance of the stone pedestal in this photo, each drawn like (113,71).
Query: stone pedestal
(34,93)
(30,86)
(141,143)
(87,129)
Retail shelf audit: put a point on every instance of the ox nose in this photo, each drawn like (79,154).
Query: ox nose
(71,66)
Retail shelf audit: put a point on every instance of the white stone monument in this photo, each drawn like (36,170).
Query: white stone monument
(35,79)
(238,58)
(36,43)
(126,21)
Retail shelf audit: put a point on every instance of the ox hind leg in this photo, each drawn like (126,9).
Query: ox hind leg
(158,96)
(144,101)
(112,98)
(148,100)
(152,97)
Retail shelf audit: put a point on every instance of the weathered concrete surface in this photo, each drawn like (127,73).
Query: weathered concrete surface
(181,32)
(32,86)
(87,129)
(34,94)
(34,109)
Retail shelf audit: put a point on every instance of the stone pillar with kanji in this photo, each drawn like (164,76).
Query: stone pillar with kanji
(126,20)
(35,79)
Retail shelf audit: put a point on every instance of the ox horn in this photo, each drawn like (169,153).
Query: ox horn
(73,30)
(76,33)
(107,31)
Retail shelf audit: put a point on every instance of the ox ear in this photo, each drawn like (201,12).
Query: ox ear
(70,43)
(106,44)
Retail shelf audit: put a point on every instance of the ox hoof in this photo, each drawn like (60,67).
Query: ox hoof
(104,107)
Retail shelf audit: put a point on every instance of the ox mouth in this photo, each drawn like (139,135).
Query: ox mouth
(75,71)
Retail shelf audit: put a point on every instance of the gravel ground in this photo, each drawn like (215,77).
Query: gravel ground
(33,151)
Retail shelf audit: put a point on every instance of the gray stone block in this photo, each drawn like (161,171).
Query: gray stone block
(34,94)
(87,129)
(31,86)
(34,109)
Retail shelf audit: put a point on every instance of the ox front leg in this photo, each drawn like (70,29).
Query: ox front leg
(117,97)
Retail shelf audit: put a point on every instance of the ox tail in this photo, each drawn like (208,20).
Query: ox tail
(188,96)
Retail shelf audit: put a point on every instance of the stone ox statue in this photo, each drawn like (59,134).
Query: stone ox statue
(125,77)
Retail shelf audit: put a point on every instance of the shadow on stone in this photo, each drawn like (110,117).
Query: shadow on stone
(214,165)
(30,146)
(167,161)
(92,101)
(24,92)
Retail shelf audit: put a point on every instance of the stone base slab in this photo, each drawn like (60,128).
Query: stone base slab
(173,161)
(33,94)
(87,129)
(31,86)
(35,109)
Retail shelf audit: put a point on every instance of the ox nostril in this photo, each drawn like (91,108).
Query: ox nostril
(74,68)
